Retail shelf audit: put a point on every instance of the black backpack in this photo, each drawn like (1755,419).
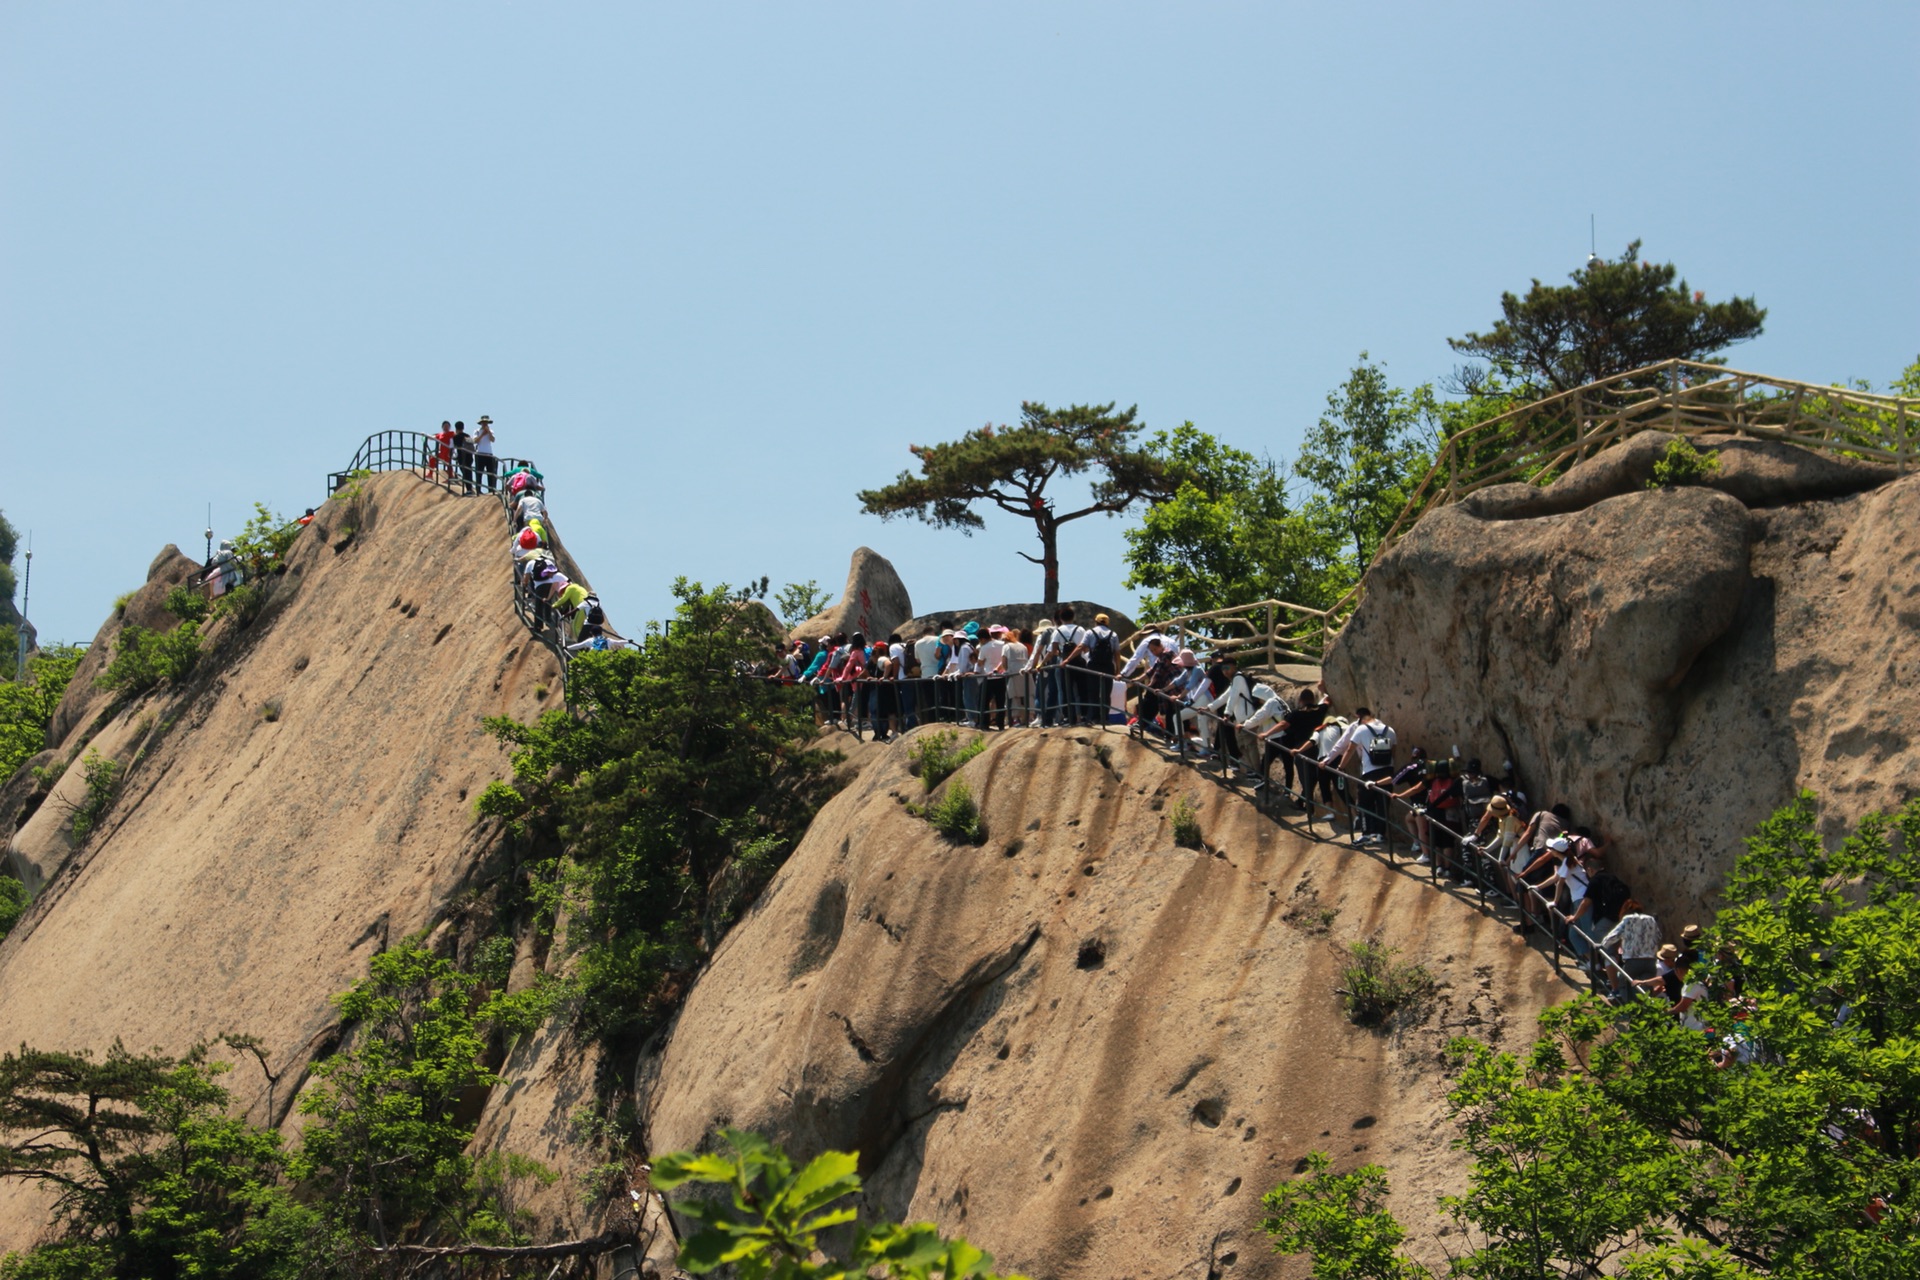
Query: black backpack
(1100,652)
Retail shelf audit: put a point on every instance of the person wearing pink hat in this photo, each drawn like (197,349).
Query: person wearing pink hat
(991,662)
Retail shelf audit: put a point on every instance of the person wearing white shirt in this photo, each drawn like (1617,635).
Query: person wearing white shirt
(992,661)
(926,653)
(483,459)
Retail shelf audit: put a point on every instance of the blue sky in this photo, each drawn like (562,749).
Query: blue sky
(716,265)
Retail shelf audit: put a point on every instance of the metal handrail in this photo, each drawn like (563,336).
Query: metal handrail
(1478,866)
(461,472)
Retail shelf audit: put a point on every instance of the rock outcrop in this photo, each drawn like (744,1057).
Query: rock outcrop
(874,602)
(1085,1048)
(1027,617)
(304,801)
(1674,664)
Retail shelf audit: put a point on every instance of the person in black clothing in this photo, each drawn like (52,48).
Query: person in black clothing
(1296,727)
(463,454)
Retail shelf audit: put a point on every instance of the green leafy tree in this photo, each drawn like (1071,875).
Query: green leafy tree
(1011,467)
(1783,1142)
(798,601)
(766,1221)
(661,799)
(1616,316)
(386,1149)
(1366,455)
(27,707)
(1228,535)
(151,1178)
(9,543)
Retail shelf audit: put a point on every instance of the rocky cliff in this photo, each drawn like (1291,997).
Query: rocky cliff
(1674,663)
(302,802)
(1085,1048)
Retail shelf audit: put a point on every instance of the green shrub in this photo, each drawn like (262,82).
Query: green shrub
(1186,825)
(1682,464)
(1374,984)
(13,903)
(103,780)
(187,604)
(144,659)
(270,710)
(121,601)
(935,756)
(242,603)
(955,815)
(27,707)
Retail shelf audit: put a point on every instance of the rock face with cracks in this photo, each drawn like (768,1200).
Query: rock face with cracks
(1084,1048)
(874,602)
(1673,664)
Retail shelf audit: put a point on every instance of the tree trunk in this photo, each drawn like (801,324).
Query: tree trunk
(1050,558)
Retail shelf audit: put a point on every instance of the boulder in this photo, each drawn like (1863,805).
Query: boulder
(1760,473)
(875,601)
(1027,617)
(1673,664)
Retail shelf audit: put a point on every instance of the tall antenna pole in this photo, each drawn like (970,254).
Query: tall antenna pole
(209,559)
(1593,244)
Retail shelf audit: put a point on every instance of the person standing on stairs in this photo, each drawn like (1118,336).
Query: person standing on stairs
(484,460)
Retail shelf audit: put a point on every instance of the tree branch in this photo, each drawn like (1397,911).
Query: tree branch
(605,1242)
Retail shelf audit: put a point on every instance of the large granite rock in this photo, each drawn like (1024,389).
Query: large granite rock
(1084,1048)
(1672,664)
(1027,617)
(1760,473)
(874,602)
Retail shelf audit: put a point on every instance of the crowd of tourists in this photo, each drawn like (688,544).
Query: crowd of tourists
(564,612)
(1346,766)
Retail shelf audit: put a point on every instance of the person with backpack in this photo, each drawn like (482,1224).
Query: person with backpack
(1366,750)
(1232,702)
(528,508)
(1062,651)
(1311,754)
(1098,659)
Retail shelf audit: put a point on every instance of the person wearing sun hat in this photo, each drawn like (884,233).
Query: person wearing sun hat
(992,662)
(484,462)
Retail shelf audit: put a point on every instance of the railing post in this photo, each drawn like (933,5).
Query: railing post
(1269,635)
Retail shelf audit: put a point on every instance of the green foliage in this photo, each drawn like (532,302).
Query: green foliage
(13,903)
(935,756)
(499,800)
(27,707)
(1373,984)
(1365,456)
(144,660)
(103,783)
(798,601)
(1185,820)
(954,814)
(661,800)
(9,543)
(121,601)
(1341,1220)
(187,604)
(264,540)
(1011,467)
(151,1177)
(1784,1142)
(1682,464)
(242,603)
(767,1221)
(386,1145)
(352,497)
(1614,317)
(1229,535)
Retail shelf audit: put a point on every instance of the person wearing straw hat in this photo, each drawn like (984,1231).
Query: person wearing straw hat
(484,461)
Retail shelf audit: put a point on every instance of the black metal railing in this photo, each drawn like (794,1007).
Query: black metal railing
(460,471)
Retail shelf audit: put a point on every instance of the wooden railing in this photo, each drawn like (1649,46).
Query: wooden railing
(1538,442)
